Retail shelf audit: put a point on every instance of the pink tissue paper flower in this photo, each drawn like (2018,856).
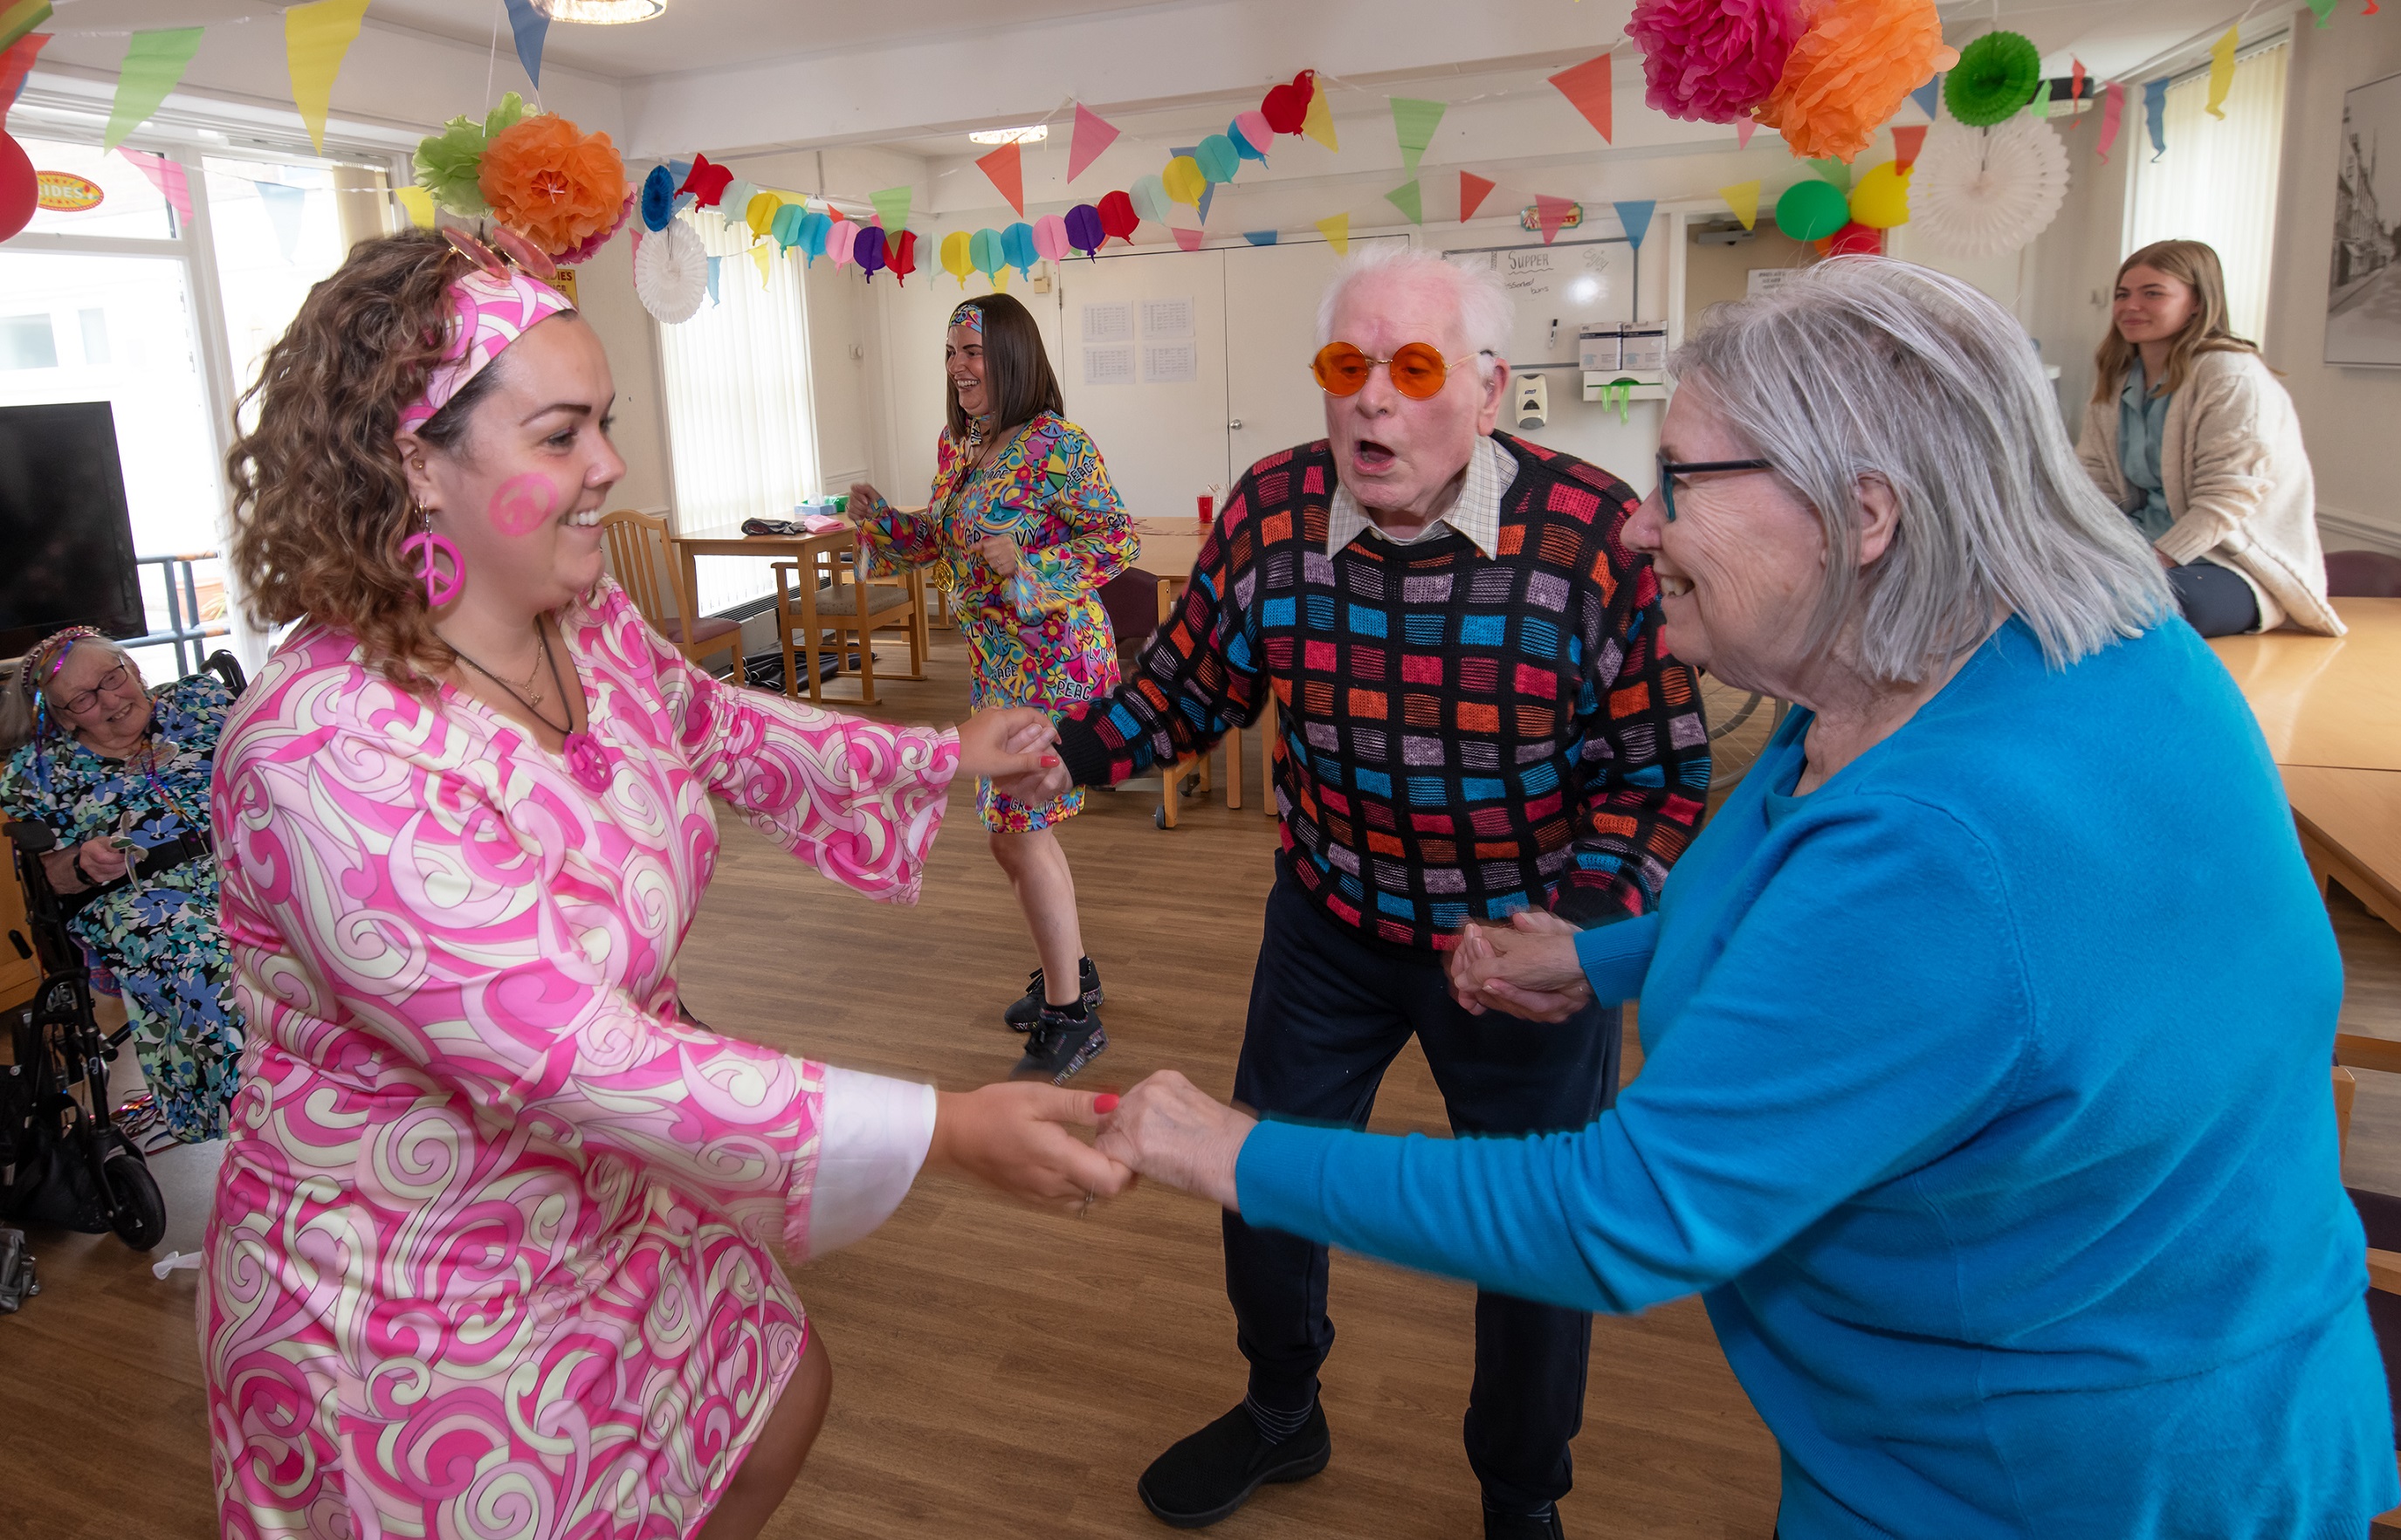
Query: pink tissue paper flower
(1712,61)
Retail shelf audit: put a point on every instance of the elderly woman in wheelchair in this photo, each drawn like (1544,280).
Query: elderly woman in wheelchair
(120,775)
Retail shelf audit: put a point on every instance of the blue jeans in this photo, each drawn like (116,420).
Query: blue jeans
(2215,599)
(1329,1011)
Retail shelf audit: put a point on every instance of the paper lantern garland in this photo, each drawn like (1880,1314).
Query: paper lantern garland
(1252,134)
(1085,229)
(1118,217)
(840,234)
(984,250)
(1148,200)
(1981,192)
(958,256)
(1995,76)
(1050,237)
(671,273)
(1017,247)
(867,249)
(1218,157)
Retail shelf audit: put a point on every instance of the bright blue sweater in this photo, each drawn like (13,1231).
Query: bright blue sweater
(1985,1092)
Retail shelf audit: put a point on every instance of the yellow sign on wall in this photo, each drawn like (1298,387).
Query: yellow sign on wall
(64,192)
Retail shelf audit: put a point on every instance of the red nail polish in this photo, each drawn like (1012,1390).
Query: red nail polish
(1049,759)
(1104,1104)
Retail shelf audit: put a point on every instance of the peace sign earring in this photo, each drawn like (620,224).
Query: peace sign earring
(439,588)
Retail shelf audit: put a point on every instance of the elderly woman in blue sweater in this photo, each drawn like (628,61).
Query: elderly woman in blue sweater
(1987,1027)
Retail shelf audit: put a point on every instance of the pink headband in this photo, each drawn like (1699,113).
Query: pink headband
(492,312)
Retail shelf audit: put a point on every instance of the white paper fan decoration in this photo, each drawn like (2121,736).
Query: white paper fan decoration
(1980,192)
(671,273)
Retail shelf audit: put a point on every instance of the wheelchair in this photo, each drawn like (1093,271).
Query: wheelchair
(63,1161)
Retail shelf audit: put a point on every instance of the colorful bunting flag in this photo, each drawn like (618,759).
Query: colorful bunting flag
(1836,172)
(2113,110)
(1410,200)
(154,62)
(2221,71)
(172,182)
(16,62)
(1742,133)
(2075,85)
(1319,124)
(2041,103)
(2155,111)
(1587,86)
(1927,95)
(1337,230)
(1208,190)
(1007,169)
(22,18)
(2324,8)
(712,278)
(1743,199)
(891,206)
(1260,238)
(529,26)
(705,181)
(760,253)
(1413,125)
(1093,134)
(419,204)
(1906,143)
(284,206)
(1552,214)
(1634,218)
(1472,192)
(316,36)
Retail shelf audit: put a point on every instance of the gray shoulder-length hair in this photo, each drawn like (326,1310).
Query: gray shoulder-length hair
(1865,366)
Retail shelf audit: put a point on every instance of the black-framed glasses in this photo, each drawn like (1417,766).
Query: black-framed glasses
(83,701)
(1670,469)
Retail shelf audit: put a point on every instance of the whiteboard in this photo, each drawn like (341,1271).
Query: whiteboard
(1558,289)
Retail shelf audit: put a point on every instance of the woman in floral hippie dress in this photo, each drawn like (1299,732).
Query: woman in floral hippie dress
(96,758)
(1022,528)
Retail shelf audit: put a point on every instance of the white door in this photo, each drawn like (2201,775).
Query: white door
(1143,367)
(1272,401)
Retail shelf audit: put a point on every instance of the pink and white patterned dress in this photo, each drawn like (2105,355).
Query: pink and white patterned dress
(491,1249)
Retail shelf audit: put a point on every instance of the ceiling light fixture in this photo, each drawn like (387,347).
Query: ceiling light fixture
(600,12)
(1032,134)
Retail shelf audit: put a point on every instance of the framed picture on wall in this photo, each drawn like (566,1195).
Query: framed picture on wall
(2364,291)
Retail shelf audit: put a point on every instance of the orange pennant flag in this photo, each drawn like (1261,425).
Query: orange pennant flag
(1906,143)
(1472,189)
(1587,88)
(1552,212)
(1007,172)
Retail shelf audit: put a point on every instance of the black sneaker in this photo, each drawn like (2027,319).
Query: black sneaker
(1523,1526)
(1206,1476)
(1023,1010)
(1059,1045)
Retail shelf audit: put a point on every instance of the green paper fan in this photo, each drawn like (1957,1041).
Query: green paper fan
(1997,74)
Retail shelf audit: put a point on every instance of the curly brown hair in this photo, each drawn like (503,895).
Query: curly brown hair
(320,503)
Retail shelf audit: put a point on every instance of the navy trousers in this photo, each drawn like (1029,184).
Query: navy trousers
(1329,1011)
(2215,599)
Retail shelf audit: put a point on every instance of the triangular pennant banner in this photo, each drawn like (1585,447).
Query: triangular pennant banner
(2324,8)
(1836,172)
(1007,169)
(1927,95)
(316,36)
(529,26)
(1337,230)
(2155,112)
(174,184)
(22,18)
(1742,133)
(761,254)
(1743,199)
(891,206)
(1551,213)
(284,207)
(2076,81)
(2042,99)
(1588,90)
(1187,238)
(2113,111)
(1634,218)
(419,206)
(2221,71)
(1319,124)
(1410,200)
(712,278)
(1093,134)
(16,62)
(1413,125)
(1260,238)
(1208,188)
(154,62)
(1906,143)
(1472,189)
(633,228)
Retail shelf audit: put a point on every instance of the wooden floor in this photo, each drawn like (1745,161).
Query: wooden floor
(1000,1373)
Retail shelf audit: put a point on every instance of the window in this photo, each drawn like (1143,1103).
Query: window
(2217,181)
(26,343)
(738,413)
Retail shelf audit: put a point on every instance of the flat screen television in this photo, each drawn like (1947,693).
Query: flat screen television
(66,544)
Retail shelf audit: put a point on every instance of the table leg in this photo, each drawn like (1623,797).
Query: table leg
(1234,767)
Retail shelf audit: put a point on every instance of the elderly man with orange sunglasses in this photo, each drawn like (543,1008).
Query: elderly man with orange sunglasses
(1478,726)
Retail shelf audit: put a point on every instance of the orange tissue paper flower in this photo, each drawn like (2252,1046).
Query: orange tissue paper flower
(1856,62)
(552,182)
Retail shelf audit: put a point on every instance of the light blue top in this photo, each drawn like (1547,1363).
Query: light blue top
(2142,424)
(1986,1095)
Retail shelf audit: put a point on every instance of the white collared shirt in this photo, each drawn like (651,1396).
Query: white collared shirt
(1475,512)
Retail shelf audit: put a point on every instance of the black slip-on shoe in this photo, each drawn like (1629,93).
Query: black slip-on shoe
(1026,1008)
(1206,1476)
(1523,1526)
(1059,1045)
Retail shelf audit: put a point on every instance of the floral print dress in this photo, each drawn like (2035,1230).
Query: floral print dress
(1047,643)
(157,937)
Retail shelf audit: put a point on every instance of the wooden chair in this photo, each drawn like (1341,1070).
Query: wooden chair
(644,556)
(821,607)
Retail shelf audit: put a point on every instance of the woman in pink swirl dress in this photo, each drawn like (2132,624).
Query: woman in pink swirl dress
(491,1248)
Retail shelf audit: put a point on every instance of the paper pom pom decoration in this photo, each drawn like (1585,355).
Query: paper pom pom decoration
(671,274)
(658,198)
(449,162)
(554,184)
(1995,76)
(1852,68)
(1085,229)
(577,256)
(1981,192)
(1712,61)
(1881,200)
(1811,210)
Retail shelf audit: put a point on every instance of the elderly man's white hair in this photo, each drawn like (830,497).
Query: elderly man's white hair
(1865,366)
(1487,315)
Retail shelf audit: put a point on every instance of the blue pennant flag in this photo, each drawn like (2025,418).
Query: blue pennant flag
(530,26)
(2155,109)
(1634,217)
(1927,94)
(712,278)
(1260,238)
(284,207)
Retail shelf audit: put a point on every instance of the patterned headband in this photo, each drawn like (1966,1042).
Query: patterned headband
(41,665)
(491,312)
(969,316)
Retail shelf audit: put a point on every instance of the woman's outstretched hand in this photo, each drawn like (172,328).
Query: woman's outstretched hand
(1007,743)
(1528,968)
(1171,1131)
(1016,1137)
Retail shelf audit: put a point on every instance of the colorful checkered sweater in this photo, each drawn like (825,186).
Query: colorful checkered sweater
(1460,738)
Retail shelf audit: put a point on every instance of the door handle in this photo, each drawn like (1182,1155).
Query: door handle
(1236,423)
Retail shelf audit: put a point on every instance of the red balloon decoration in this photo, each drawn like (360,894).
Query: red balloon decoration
(19,192)
(1117,218)
(1286,108)
(1855,239)
(900,256)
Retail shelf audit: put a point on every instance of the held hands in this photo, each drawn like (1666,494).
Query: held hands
(1009,744)
(1000,553)
(1528,968)
(1171,1131)
(1015,1137)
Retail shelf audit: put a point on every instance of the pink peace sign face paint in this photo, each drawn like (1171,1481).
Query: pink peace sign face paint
(523,503)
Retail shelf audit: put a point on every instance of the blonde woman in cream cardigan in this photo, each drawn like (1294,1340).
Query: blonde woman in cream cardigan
(2190,434)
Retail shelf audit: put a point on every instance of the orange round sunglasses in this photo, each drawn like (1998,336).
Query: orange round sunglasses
(1417,368)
